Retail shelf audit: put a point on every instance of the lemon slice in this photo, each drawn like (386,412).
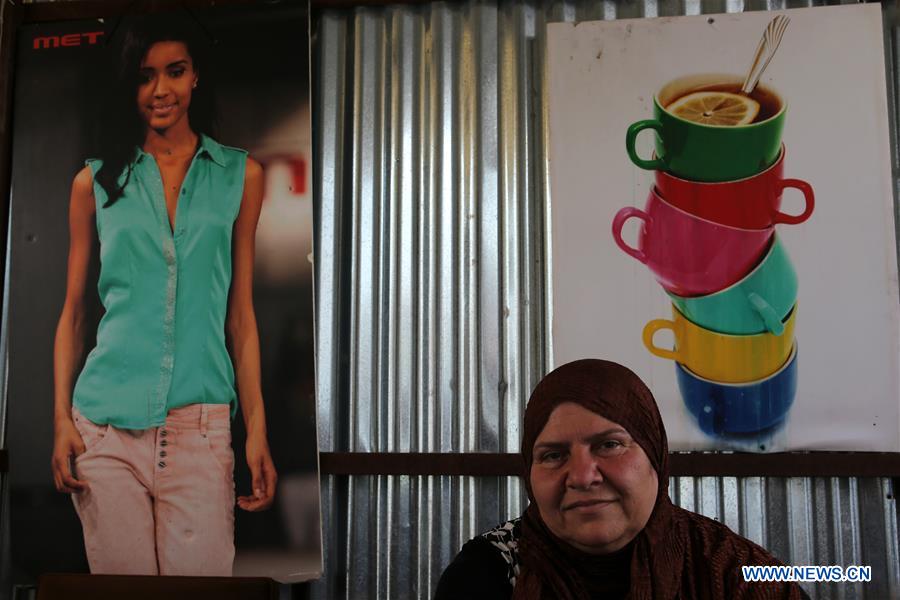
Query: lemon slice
(715,108)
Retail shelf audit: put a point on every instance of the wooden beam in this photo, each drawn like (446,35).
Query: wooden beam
(682,464)
(414,463)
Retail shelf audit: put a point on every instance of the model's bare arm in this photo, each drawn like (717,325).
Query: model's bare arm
(243,341)
(69,344)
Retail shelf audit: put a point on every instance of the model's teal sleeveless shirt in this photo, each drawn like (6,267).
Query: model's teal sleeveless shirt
(161,342)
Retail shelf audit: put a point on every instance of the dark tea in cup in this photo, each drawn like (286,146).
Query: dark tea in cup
(725,105)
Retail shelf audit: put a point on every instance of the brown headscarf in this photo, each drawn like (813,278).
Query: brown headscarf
(678,554)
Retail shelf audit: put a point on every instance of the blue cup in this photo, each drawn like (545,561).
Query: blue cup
(726,408)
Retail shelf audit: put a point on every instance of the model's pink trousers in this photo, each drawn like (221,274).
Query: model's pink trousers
(161,500)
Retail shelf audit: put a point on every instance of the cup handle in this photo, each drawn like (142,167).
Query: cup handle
(617,224)
(631,138)
(650,330)
(767,313)
(808,194)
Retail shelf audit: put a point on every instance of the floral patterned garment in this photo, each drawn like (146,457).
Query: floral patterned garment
(505,537)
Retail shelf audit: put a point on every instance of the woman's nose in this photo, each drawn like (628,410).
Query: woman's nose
(583,470)
(161,88)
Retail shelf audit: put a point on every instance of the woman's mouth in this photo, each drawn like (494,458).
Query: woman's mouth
(587,505)
(162,110)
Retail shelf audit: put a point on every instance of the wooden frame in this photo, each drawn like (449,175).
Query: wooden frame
(681,464)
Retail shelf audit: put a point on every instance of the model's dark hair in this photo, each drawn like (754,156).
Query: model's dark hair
(121,127)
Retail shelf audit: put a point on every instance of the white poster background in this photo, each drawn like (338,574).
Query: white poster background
(830,69)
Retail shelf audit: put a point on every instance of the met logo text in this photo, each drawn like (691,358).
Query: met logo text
(68,40)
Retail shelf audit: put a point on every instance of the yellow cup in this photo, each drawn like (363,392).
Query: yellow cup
(721,357)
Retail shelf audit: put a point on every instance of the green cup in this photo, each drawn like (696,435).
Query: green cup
(701,152)
(757,303)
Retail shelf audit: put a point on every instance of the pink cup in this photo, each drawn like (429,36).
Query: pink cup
(690,256)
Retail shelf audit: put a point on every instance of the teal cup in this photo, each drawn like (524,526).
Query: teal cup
(759,302)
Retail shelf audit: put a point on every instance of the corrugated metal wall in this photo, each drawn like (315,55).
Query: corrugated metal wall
(432,293)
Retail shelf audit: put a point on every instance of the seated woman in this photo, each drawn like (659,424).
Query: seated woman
(600,523)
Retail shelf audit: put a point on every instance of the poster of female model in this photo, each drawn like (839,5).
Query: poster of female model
(160,397)
(723,222)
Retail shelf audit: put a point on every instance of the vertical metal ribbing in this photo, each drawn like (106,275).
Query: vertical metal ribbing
(756,527)
(513,132)
(367,176)
(328,64)
(891,22)
(364,535)
(892,556)
(801,530)
(466,206)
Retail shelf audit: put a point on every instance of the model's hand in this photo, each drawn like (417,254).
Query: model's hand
(262,474)
(67,444)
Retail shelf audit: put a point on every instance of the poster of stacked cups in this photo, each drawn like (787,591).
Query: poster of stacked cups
(207,111)
(723,222)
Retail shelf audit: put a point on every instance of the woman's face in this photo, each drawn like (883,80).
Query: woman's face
(593,484)
(167,78)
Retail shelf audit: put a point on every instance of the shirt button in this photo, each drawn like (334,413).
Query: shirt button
(163,433)
(162,454)
(162,464)
(164,443)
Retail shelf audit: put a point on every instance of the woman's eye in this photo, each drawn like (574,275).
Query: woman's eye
(553,456)
(176,73)
(610,445)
